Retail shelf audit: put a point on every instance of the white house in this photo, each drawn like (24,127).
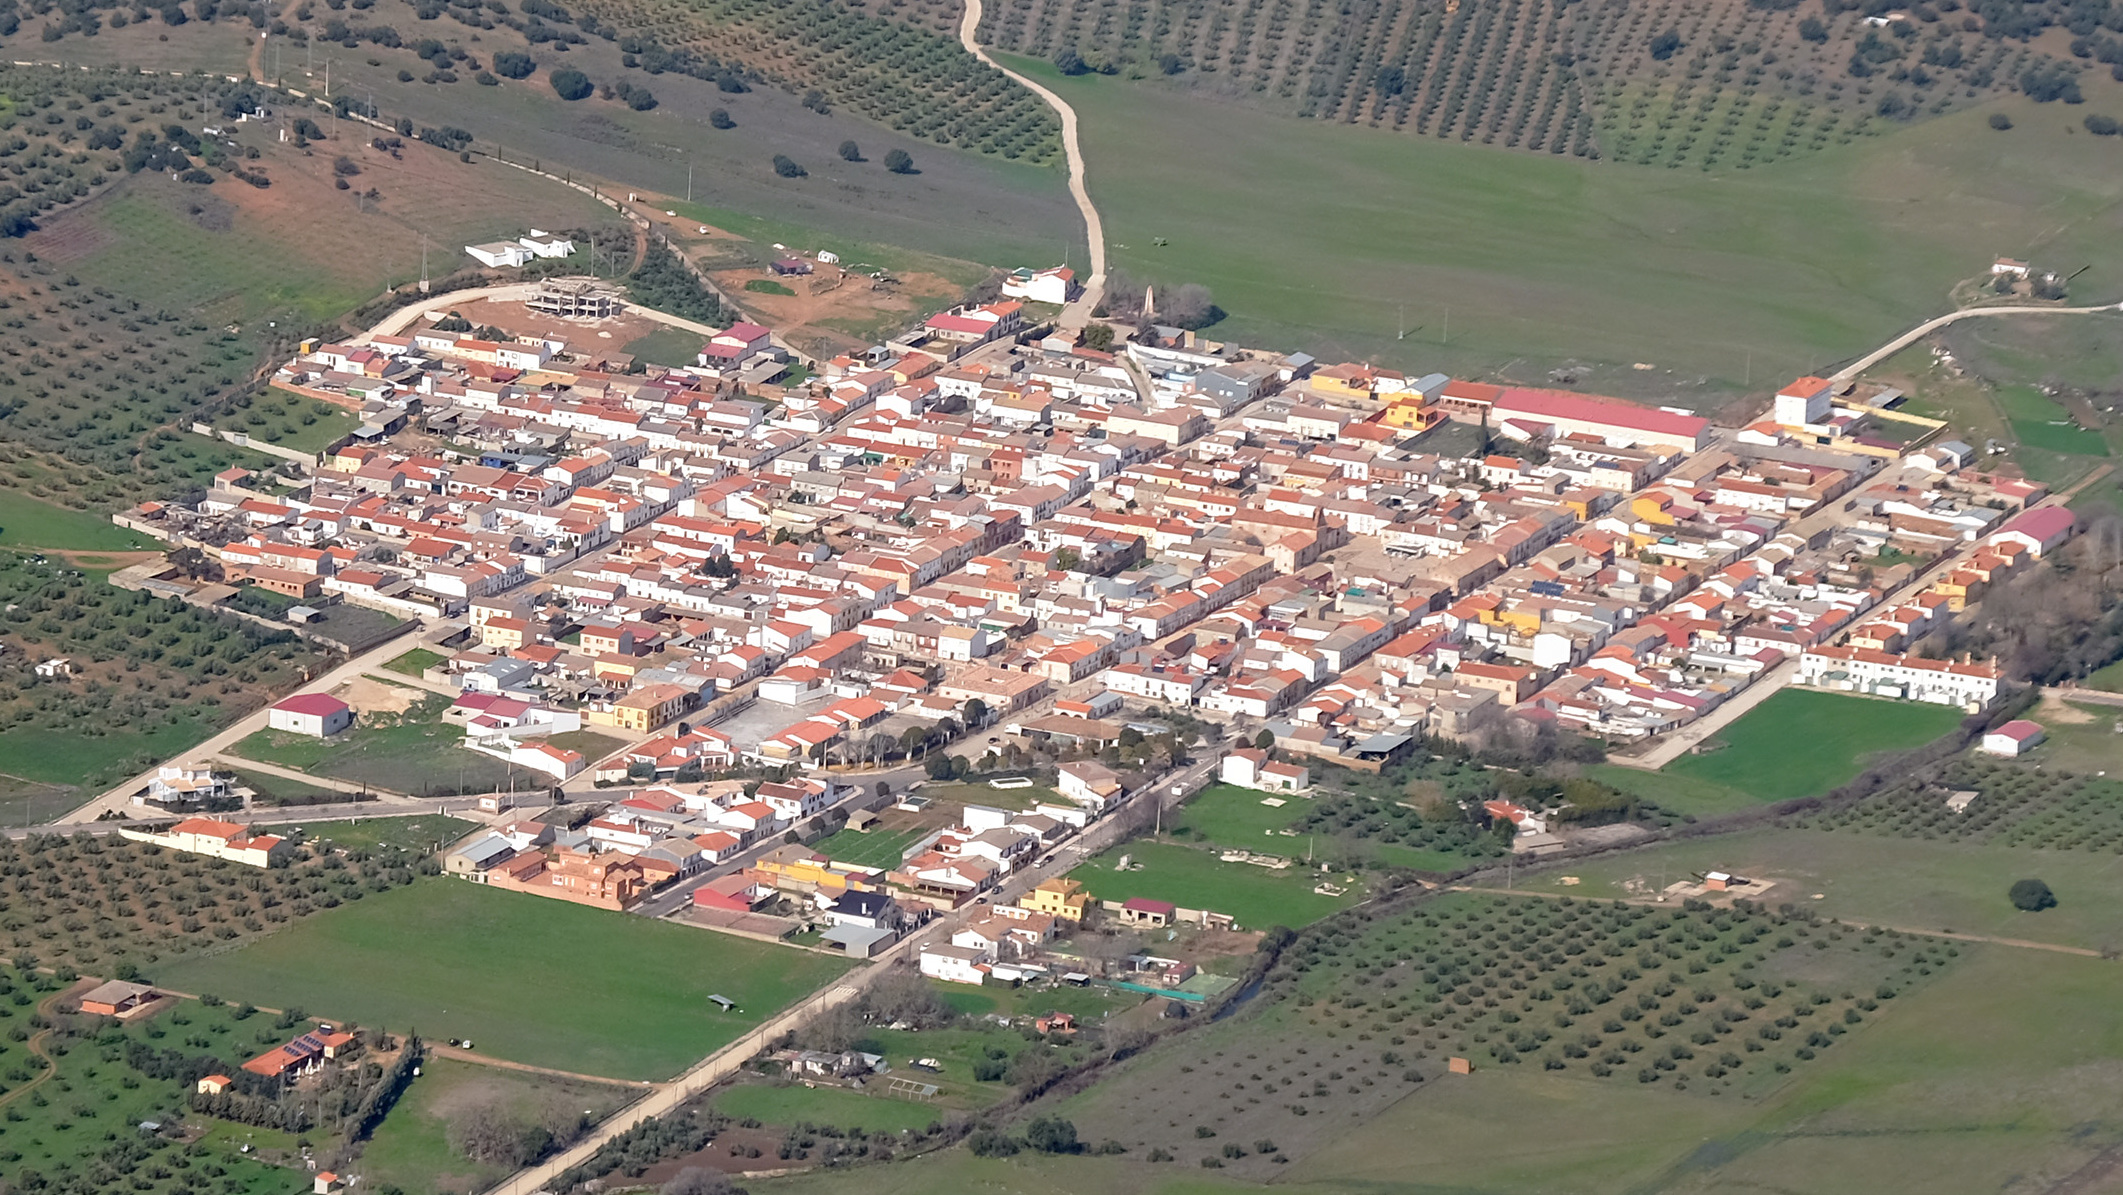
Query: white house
(955,964)
(1250,767)
(1089,783)
(318,715)
(1913,678)
(180,784)
(1057,285)
(544,244)
(499,253)
(2016,737)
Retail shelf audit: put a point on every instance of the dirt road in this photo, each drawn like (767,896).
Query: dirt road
(1929,326)
(1078,313)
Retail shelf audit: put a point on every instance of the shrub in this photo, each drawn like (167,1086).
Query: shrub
(1666,45)
(720,118)
(570,84)
(786,167)
(899,161)
(850,152)
(2000,121)
(510,64)
(1052,1135)
(2102,126)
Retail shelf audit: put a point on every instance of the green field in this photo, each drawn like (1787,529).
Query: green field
(411,753)
(1327,238)
(531,980)
(1911,883)
(1195,879)
(417,832)
(56,756)
(1226,815)
(279,790)
(873,848)
(411,1149)
(285,419)
(779,1104)
(668,346)
(1801,742)
(416,661)
(2039,422)
(1688,795)
(28,523)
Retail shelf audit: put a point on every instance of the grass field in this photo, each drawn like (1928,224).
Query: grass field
(273,789)
(2038,422)
(1689,795)
(668,346)
(65,756)
(416,661)
(1195,879)
(1725,282)
(778,1104)
(410,753)
(411,1149)
(1915,884)
(1801,742)
(530,980)
(28,523)
(289,420)
(874,848)
(418,832)
(1226,815)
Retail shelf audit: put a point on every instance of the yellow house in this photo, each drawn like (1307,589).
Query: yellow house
(1062,899)
(1652,508)
(643,710)
(1412,416)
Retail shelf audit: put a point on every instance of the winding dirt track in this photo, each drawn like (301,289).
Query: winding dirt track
(1077,313)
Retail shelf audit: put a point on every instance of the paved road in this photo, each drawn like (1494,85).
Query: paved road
(1076,314)
(119,799)
(289,815)
(1929,326)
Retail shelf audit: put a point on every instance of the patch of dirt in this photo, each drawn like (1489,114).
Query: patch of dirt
(2055,709)
(830,294)
(726,1154)
(375,697)
(582,334)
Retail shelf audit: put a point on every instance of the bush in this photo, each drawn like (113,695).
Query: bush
(850,152)
(570,84)
(720,118)
(1666,45)
(2102,126)
(1069,62)
(2032,896)
(987,1143)
(640,100)
(786,167)
(1052,1135)
(510,64)
(2000,121)
(899,161)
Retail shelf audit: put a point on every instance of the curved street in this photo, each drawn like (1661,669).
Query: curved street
(1078,313)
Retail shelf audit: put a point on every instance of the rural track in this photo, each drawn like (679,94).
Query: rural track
(455,1054)
(1078,313)
(36,1048)
(1929,326)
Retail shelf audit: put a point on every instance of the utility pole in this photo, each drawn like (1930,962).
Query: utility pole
(1447,337)
(689,183)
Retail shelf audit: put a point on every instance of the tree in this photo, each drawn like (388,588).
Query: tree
(510,64)
(899,161)
(570,84)
(1052,1135)
(1067,559)
(938,766)
(850,152)
(786,167)
(1189,307)
(640,99)
(720,118)
(696,1180)
(1264,741)
(2000,121)
(976,713)
(1666,45)
(2032,896)
(1100,337)
(1069,62)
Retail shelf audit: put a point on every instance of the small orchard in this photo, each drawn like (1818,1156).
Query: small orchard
(108,906)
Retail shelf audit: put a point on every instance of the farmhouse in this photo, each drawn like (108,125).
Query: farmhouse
(318,715)
(955,964)
(1252,768)
(2040,531)
(1858,669)
(219,840)
(117,998)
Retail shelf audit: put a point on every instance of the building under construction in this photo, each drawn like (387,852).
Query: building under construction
(575,298)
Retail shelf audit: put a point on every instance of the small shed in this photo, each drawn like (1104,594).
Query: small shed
(214,1084)
(788,267)
(2016,737)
